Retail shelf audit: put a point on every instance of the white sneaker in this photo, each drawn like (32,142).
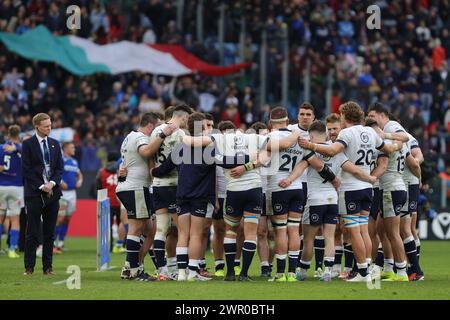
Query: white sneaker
(318,273)
(336,271)
(182,275)
(360,278)
(39,252)
(197,277)
(125,273)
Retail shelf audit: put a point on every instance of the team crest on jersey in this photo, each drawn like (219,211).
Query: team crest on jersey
(238,140)
(229,209)
(326,158)
(314,217)
(364,137)
(351,206)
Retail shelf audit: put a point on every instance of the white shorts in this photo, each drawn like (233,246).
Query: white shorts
(69,200)
(11,200)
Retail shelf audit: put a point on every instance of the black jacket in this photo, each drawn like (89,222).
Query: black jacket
(33,166)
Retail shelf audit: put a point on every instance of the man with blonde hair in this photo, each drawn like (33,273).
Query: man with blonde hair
(42,166)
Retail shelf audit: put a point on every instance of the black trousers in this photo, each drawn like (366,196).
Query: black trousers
(49,215)
(23,228)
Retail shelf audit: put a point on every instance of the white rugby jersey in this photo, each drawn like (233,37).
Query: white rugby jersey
(392,179)
(138,173)
(320,193)
(373,164)
(231,144)
(360,145)
(305,135)
(285,161)
(393,126)
(171,179)
(408,176)
(221,183)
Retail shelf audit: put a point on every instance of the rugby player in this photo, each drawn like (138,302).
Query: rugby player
(11,187)
(195,182)
(134,192)
(378,167)
(322,204)
(355,196)
(395,194)
(306,115)
(409,214)
(165,188)
(71,179)
(243,195)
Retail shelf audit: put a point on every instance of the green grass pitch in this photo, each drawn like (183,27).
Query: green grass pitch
(435,260)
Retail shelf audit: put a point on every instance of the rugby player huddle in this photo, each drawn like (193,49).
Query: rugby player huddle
(345,187)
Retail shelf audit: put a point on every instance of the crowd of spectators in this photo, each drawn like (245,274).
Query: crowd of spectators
(405,65)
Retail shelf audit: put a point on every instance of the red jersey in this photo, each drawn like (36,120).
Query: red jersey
(109,181)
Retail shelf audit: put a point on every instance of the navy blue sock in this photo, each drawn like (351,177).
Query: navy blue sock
(362,269)
(133,247)
(248,251)
(281,262)
(159,248)
(304,264)
(379,260)
(411,253)
(230,247)
(319,251)
(293,258)
(219,265)
(339,251)
(348,255)
(182,257)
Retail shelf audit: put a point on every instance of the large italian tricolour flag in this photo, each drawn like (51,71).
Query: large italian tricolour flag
(83,57)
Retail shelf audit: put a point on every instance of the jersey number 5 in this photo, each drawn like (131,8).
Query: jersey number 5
(7,161)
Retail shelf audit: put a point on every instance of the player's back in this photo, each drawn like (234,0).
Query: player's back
(238,143)
(167,146)
(360,144)
(12,163)
(285,162)
(138,174)
(71,169)
(318,191)
(392,179)
(305,135)
(109,181)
